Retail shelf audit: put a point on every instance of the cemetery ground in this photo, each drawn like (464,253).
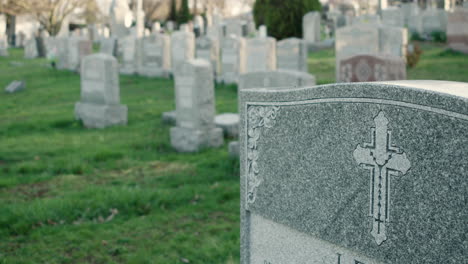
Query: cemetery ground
(122,194)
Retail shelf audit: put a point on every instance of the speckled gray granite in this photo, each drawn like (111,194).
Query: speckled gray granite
(355,173)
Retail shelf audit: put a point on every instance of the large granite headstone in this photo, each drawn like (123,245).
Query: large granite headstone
(361,173)
(457,30)
(156,56)
(311,27)
(182,48)
(100,106)
(232,59)
(291,54)
(195,108)
(260,54)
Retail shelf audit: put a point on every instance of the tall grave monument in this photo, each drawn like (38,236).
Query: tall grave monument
(363,173)
(195,108)
(182,48)
(207,48)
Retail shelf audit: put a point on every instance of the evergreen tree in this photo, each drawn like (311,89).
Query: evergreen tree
(173,11)
(184,13)
(283,18)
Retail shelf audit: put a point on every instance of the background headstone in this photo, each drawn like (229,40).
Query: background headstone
(127,48)
(291,54)
(79,47)
(232,58)
(311,27)
(109,46)
(182,48)
(3,46)
(369,68)
(262,31)
(15,86)
(100,106)
(457,30)
(207,48)
(260,54)
(156,56)
(393,17)
(30,49)
(195,108)
(279,79)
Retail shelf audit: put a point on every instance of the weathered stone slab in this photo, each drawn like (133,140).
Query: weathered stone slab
(369,68)
(100,106)
(155,56)
(109,46)
(182,48)
(195,108)
(232,59)
(260,54)
(355,173)
(62,53)
(368,39)
(233,27)
(78,48)
(128,55)
(207,48)
(311,27)
(291,54)
(30,49)
(433,20)
(457,30)
(3,46)
(393,17)
(15,86)
(279,79)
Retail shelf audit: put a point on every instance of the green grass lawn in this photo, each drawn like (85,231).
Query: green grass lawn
(121,194)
